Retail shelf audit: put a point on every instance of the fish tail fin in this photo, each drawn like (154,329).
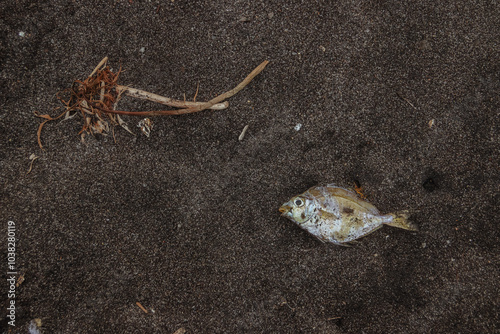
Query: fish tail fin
(400,220)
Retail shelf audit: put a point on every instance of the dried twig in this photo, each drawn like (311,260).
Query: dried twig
(141,307)
(33,157)
(141,94)
(196,108)
(101,64)
(406,100)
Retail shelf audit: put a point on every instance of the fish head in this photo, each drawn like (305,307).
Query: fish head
(298,209)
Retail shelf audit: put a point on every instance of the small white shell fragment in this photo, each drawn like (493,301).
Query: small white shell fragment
(142,49)
(146,125)
(34,326)
(22,34)
(298,127)
(242,135)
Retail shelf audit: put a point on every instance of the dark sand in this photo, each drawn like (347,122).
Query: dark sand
(186,222)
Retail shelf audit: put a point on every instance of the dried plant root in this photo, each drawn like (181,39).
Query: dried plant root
(141,94)
(201,106)
(47,119)
(96,99)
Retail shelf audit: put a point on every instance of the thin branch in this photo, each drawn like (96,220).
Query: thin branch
(196,94)
(141,94)
(236,89)
(197,108)
(406,100)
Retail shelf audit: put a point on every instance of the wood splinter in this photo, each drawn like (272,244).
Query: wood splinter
(141,307)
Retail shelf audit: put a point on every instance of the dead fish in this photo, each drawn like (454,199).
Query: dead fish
(337,215)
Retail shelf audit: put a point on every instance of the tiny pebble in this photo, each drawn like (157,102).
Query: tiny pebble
(142,49)
(298,127)
(22,33)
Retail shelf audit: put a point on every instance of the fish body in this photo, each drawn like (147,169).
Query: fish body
(337,215)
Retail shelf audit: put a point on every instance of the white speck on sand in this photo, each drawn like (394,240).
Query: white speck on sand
(298,127)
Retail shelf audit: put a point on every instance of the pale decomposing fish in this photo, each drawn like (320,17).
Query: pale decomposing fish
(337,215)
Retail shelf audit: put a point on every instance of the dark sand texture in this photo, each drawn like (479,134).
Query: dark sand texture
(186,222)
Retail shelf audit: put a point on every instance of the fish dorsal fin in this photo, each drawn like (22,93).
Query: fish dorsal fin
(350,196)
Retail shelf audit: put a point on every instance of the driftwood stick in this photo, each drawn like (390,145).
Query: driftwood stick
(236,89)
(141,94)
(196,108)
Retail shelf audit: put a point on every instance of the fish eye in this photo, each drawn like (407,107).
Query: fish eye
(299,202)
